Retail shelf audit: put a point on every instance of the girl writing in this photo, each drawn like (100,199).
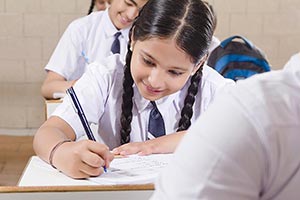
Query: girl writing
(165,72)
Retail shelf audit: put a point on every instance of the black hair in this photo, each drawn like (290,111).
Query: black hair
(91,7)
(190,24)
(213,12)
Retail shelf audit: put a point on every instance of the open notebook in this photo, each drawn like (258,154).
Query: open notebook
(129,170)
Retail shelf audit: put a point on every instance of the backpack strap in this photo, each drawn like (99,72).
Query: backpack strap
(228,40)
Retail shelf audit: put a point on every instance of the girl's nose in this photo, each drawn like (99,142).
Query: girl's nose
(156,78)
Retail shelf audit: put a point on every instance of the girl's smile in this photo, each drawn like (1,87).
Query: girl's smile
(151,90)
(155,71)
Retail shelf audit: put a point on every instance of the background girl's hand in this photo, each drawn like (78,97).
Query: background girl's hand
(140,148)
(82,159)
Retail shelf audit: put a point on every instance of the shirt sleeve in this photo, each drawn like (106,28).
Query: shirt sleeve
(92,91)
(221,157)
(66,59)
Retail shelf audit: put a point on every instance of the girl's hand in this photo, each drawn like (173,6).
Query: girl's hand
(140,148)
(82,159)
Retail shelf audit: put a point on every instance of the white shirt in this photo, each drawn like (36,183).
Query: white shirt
(246,146)
(293,63)
(86,40)
(99,91)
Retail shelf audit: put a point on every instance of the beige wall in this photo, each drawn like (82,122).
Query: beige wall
(30,29)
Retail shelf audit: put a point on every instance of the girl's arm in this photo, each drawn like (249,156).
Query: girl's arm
(80,159)
(164,144)
(55,83)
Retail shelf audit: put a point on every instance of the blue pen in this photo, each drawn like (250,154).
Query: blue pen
(78,109)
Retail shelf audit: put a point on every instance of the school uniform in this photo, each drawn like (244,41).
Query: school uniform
(245,147)
(293,63)
(86,40)
(99,91)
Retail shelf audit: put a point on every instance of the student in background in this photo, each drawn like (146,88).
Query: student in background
(245,146)
(88,39)
(164,81)
(99,4)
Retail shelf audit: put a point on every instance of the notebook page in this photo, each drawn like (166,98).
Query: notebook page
(133,169)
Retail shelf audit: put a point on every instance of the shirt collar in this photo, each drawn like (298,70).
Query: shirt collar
(162,104)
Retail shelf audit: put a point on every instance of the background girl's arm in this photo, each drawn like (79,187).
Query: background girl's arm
(76,159)
(55,83)
(164,144)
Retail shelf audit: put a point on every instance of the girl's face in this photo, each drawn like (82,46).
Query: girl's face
(159,68)
(123,12)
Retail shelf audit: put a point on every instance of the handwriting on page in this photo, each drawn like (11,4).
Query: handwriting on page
(134,169)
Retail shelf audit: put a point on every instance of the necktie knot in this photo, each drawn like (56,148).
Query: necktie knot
(115,47)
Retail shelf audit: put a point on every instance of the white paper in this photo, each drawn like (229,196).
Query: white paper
(133,169)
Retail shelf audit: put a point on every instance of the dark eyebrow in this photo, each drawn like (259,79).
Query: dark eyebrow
(148,55)
(132,1)
(155,61)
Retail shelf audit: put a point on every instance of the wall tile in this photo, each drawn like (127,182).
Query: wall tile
(34,71)
(20,48)
(43,25)
(12,71)
(2,6)
(21,6)
(11,24)
(58,6)
(263,6)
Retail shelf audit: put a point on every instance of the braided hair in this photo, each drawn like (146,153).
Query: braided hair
(190,24)
(91,7)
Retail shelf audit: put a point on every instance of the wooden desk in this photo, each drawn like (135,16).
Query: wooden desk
(68,189)
(50,106)
(132,192)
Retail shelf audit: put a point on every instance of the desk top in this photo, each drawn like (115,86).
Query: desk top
(137,171)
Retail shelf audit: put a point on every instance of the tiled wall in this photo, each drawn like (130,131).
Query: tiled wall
(30,29)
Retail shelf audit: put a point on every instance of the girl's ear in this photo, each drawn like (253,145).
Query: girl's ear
(131,40)
(200,63)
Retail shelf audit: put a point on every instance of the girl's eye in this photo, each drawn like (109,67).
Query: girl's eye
(148,62)
(175,73)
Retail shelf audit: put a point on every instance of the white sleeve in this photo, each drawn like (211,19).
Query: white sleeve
(221,157)
(66,59)
(91,90)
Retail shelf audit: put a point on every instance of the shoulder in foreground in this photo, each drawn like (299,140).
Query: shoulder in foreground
(293,63)
(213,77)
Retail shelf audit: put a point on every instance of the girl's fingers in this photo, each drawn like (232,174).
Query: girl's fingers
(90,171)
(100,149)
(92,159)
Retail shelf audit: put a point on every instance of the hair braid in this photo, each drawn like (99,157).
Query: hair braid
(91,7)
(127,95)
(187,110)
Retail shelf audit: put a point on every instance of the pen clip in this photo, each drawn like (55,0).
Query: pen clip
(71,100)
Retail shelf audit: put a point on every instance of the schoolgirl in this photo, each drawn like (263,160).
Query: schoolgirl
(165,79)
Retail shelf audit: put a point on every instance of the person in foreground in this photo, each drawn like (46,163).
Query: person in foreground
(146,105)
(244,147)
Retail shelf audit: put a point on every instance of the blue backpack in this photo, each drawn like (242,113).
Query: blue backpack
(238,60)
